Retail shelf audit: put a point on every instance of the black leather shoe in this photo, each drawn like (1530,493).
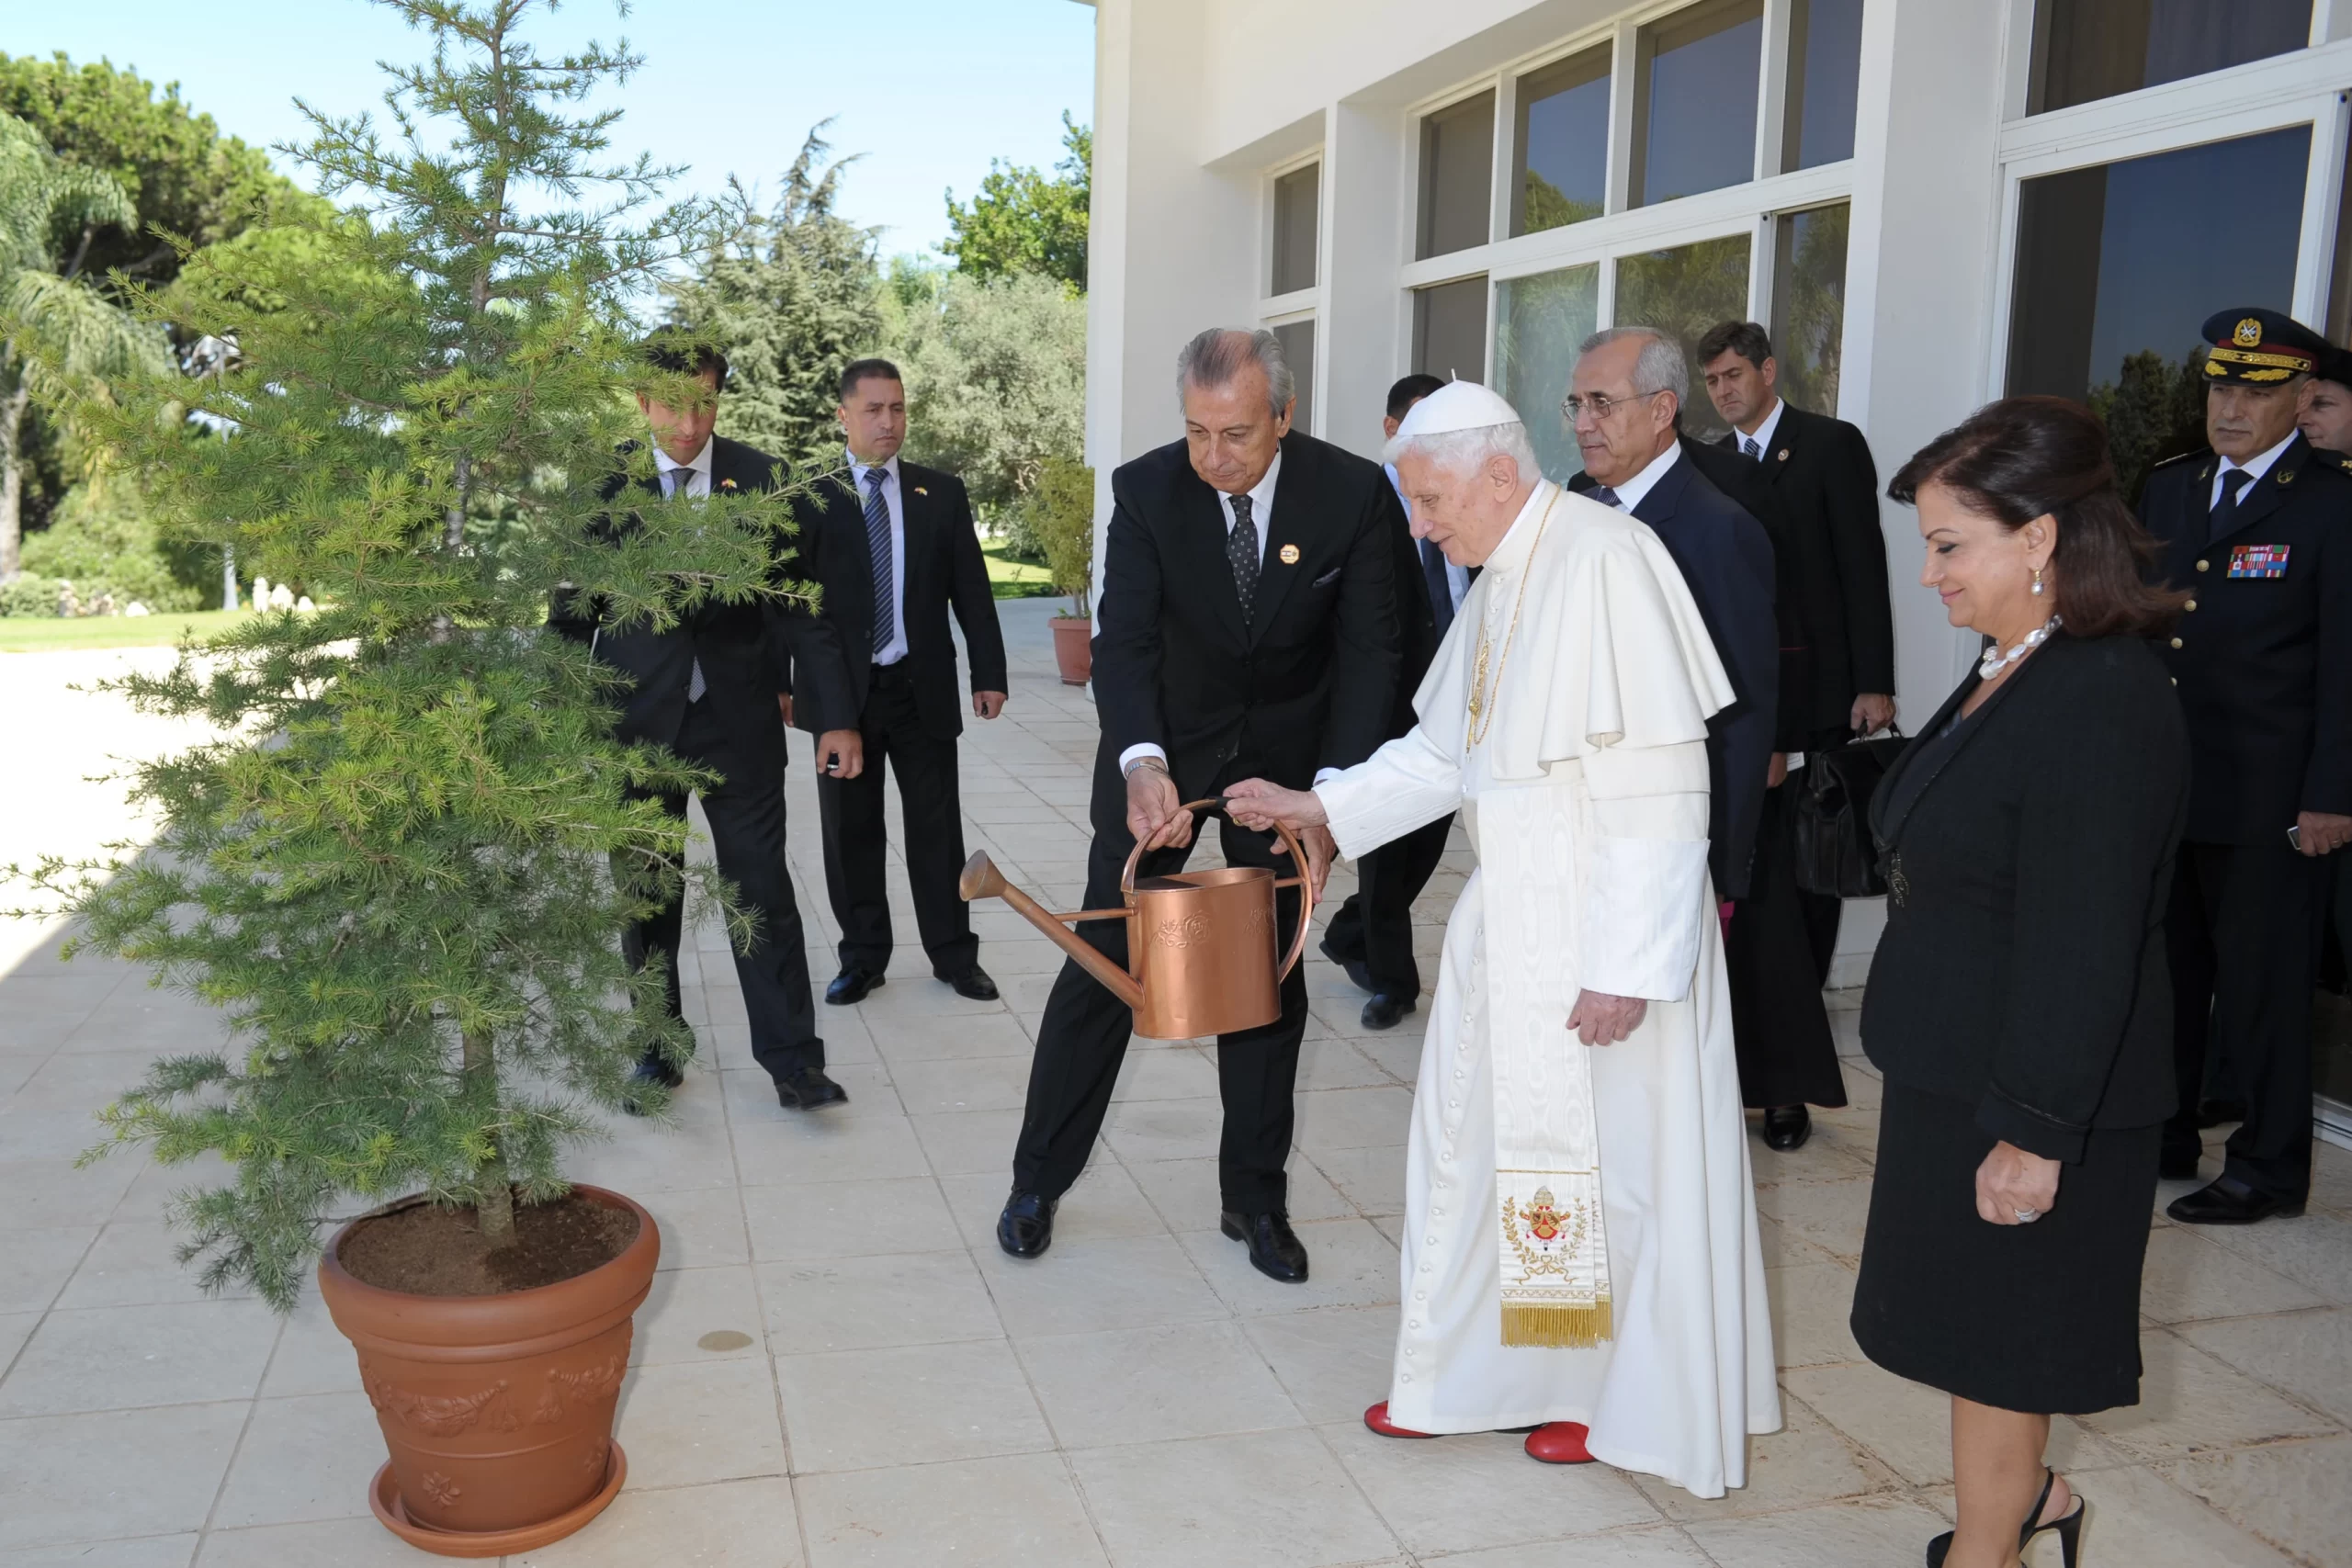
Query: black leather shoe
(2213,1113)
(651,1069)
(1027,1227)
(972,982)
(2178,1162)
(1387,1009)
(809,1089)
(1275,1250)
(851,986)
(2229,1202)
(1786,1127)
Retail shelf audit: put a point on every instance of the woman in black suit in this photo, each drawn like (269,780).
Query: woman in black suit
(2018,1005)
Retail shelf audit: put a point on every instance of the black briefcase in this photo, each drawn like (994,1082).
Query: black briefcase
(1835,854)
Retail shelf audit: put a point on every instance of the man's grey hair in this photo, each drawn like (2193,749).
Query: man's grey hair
(1217,355)
(1457,452)
(1661,368)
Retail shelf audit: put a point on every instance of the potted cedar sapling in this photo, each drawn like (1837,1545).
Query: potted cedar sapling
(402,871)
(1061,514)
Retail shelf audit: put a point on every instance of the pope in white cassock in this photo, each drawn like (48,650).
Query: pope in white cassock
(1580,1248)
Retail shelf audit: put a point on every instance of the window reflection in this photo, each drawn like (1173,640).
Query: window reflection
(1297,339)
(1685,291)
(2110,292)
(1560,172)
(1297,196)
(1695,77)
(1457,176)
(1824,81)
(1450,330)
(1539,321)
(1809,305)
(2085,50)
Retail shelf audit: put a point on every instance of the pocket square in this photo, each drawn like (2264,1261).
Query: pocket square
(1328,577)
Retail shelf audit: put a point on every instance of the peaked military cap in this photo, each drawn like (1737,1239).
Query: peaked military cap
(2335,364)
(2259,347)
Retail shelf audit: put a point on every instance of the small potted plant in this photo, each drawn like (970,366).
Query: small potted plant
(403,870)
(1061,513)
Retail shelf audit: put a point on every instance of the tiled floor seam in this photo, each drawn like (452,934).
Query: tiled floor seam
(236,1449)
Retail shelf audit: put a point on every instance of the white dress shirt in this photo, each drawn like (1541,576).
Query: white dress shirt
(696,473)
(2258,467)
(1629,494)
(896,648)
(1262,510)
(1761,434)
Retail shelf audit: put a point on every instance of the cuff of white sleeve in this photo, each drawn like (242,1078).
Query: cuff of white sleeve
(1642,917)
(1324,775)
(1136,753)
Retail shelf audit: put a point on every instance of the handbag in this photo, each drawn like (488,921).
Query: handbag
(1837,855)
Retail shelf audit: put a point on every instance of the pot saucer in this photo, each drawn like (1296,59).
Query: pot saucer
(384,1498)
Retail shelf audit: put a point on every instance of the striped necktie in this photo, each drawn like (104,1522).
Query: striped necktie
(1748,445)
(673,481)
(877,543)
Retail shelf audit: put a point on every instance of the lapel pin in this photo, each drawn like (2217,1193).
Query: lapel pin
(920,491)
(1290,555)
(2286,476)
(1784,454)
(726,484)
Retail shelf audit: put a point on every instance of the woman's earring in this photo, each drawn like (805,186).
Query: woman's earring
(2037,582)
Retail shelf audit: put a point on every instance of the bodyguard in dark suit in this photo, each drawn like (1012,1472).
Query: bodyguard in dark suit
(708,689)
(1627,391)
(1246,628)
(2258,530)
(895,551)
(1371,936)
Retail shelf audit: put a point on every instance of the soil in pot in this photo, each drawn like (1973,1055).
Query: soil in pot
(431,1251)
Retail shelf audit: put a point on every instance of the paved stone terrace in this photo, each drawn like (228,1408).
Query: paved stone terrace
(1138,1398)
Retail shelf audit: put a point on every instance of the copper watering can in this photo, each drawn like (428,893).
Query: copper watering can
(1199,943)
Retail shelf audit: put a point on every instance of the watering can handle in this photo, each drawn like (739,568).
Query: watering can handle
(1304,883)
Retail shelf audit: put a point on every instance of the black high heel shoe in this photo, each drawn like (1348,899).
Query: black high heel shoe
(2069,1528)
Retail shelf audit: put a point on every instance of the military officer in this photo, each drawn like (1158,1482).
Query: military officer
(2257,530)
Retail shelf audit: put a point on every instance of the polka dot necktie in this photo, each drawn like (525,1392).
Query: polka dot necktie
(1242,551)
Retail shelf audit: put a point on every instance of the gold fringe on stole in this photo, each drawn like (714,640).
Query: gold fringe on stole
(1558,1328)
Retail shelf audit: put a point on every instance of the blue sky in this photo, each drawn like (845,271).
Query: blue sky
(927,90)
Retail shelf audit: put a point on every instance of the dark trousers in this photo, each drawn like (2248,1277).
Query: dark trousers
(932,822)
(746,813)
(1374,927)
(1083,1039)
(2242,935)
(1780,1025)
(1820,912)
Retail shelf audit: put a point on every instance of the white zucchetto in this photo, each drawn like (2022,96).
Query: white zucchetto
(1457,405)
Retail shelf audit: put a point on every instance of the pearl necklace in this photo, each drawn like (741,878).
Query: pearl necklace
(1995,661)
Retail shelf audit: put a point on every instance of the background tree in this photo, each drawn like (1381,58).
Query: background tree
(58,334)
(1021,221)
(408,902)
(2154,409)
(790,294)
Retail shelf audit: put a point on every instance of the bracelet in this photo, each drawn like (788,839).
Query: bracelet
(1156,764)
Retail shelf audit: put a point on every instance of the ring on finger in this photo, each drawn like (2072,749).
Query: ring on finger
(2027,1216)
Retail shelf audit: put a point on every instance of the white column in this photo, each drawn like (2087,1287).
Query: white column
(1369,318)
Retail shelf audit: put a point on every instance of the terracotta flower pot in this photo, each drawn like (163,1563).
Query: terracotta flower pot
(1074,649)
(498,1410)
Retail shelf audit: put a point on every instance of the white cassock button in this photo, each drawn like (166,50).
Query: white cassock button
(1439,1212)
(1433,1241)
(1421,1295)
(1458,1075)
(1454,1105)
(1404,1377)
(1409,1351)
(1426,1267)
(1415,1324)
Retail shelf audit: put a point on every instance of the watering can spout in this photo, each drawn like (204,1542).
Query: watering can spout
(981,879)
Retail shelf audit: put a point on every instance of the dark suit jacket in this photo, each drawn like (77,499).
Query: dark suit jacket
(2264,662)
(945,571)
(2023,965)
(1817,493)
(1309,683)
(744,649)
(1416,622)
(1726,557)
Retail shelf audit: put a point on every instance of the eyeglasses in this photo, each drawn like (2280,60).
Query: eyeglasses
(1573,407)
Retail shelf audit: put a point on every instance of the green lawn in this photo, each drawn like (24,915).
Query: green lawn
(1016,578)
(25,634)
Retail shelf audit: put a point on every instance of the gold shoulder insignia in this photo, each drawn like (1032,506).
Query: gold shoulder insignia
(2176,457)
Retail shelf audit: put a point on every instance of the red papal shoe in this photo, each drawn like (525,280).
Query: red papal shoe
(1560,1443)
(1377,1419)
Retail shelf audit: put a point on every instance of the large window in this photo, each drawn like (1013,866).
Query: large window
(1685,291)
(1297,339)
(1824,81)
(1297,197)
(1809,304)
(1560,165)
(1450,330)
(2085,50)
(1539,321)
(1457,176)
(1695,79)
(2111,290)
